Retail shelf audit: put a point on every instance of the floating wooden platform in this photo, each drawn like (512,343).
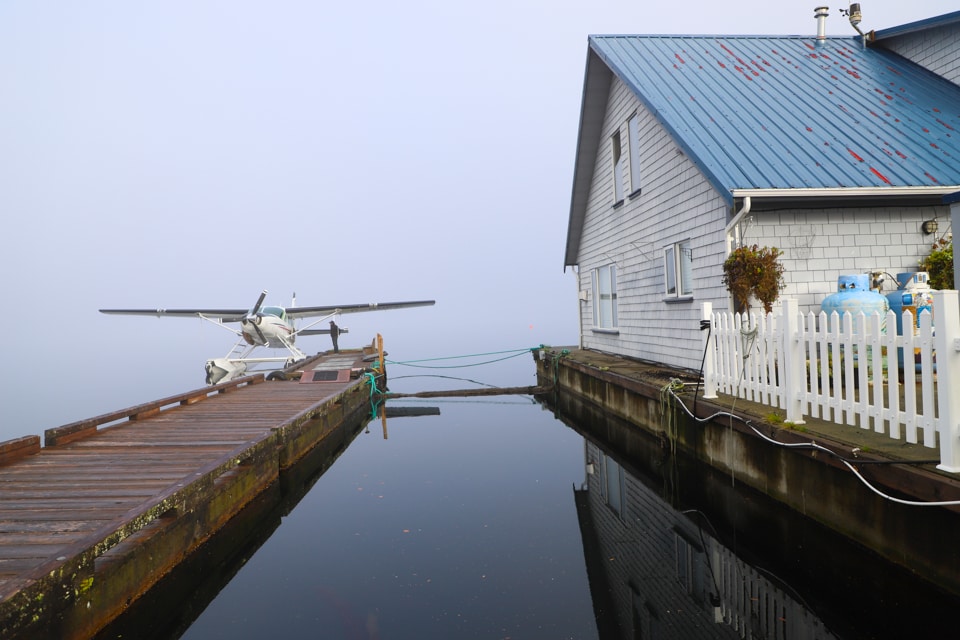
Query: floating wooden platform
(92,520)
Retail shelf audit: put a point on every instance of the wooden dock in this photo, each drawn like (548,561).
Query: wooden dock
(92,520)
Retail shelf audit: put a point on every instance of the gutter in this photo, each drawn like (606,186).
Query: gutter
(823,198)
(828,196)
(846,192)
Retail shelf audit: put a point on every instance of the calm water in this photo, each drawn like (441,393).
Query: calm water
(484,522)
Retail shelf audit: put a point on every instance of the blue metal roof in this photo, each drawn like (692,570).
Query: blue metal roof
(762,112)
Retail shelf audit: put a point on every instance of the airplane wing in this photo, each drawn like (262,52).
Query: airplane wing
(237,315)
(305,312)
(226,315)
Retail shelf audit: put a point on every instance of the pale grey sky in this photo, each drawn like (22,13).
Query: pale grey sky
(194,153)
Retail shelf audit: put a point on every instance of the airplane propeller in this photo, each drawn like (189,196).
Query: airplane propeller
(253,316)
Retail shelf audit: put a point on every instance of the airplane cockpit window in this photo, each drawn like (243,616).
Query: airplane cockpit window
(273,311)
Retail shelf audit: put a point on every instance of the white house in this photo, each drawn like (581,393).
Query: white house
(834,149)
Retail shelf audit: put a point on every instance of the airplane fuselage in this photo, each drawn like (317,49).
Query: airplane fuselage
(275,330)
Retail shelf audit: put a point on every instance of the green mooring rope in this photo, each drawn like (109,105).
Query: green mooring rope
(371,379)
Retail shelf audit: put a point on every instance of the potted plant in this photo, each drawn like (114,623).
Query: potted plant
(939,264)
(754,272)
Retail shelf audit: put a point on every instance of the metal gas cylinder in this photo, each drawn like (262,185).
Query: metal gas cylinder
(914,295)
(854,296)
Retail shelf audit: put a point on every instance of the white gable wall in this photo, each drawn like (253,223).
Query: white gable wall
(937,49)
(675,203)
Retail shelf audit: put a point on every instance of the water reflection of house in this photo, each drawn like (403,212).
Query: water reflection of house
(656,573)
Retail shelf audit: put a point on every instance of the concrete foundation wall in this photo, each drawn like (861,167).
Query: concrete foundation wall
(816,485)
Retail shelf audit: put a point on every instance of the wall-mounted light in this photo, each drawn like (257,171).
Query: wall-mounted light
(929,226)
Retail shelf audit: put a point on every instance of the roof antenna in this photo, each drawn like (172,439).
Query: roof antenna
(820,13)
(854,15)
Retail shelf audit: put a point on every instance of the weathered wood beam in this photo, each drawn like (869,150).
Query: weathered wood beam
(467,393)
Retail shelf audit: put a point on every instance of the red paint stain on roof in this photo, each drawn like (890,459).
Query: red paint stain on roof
(682,61)
(901,155)
(854,154)
(880,175)
(944,123)
(931,177)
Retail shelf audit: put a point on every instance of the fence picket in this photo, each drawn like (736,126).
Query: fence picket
(926,375)
(892,414)
(844,368)
(910,381)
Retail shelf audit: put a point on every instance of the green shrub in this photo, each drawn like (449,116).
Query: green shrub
(939,264)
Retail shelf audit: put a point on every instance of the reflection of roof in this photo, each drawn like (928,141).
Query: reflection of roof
(758,112)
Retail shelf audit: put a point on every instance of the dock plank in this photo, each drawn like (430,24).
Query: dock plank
(69,497)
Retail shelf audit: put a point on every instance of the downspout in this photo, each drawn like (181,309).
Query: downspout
(734,235)
(580,302)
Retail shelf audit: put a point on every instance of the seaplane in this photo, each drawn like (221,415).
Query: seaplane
(266,327)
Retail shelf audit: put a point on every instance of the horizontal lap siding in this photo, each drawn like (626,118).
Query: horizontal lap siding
(675,203)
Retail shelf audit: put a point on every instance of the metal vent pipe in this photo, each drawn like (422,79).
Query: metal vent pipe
(820,13)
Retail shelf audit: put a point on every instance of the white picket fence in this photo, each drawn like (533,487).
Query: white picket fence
(845,369)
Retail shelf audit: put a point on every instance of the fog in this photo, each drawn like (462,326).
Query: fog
(186,154)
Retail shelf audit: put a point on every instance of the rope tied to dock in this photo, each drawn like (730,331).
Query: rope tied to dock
(416,363)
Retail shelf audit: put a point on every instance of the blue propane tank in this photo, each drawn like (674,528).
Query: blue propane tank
(854,295)
(915,296)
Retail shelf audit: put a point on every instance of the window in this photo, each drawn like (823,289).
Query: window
(613,487)
(678,270)
(690,565)
(618,161)
(605,297)
(633,141)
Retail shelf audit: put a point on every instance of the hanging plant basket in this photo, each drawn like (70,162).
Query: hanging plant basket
(754,272)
